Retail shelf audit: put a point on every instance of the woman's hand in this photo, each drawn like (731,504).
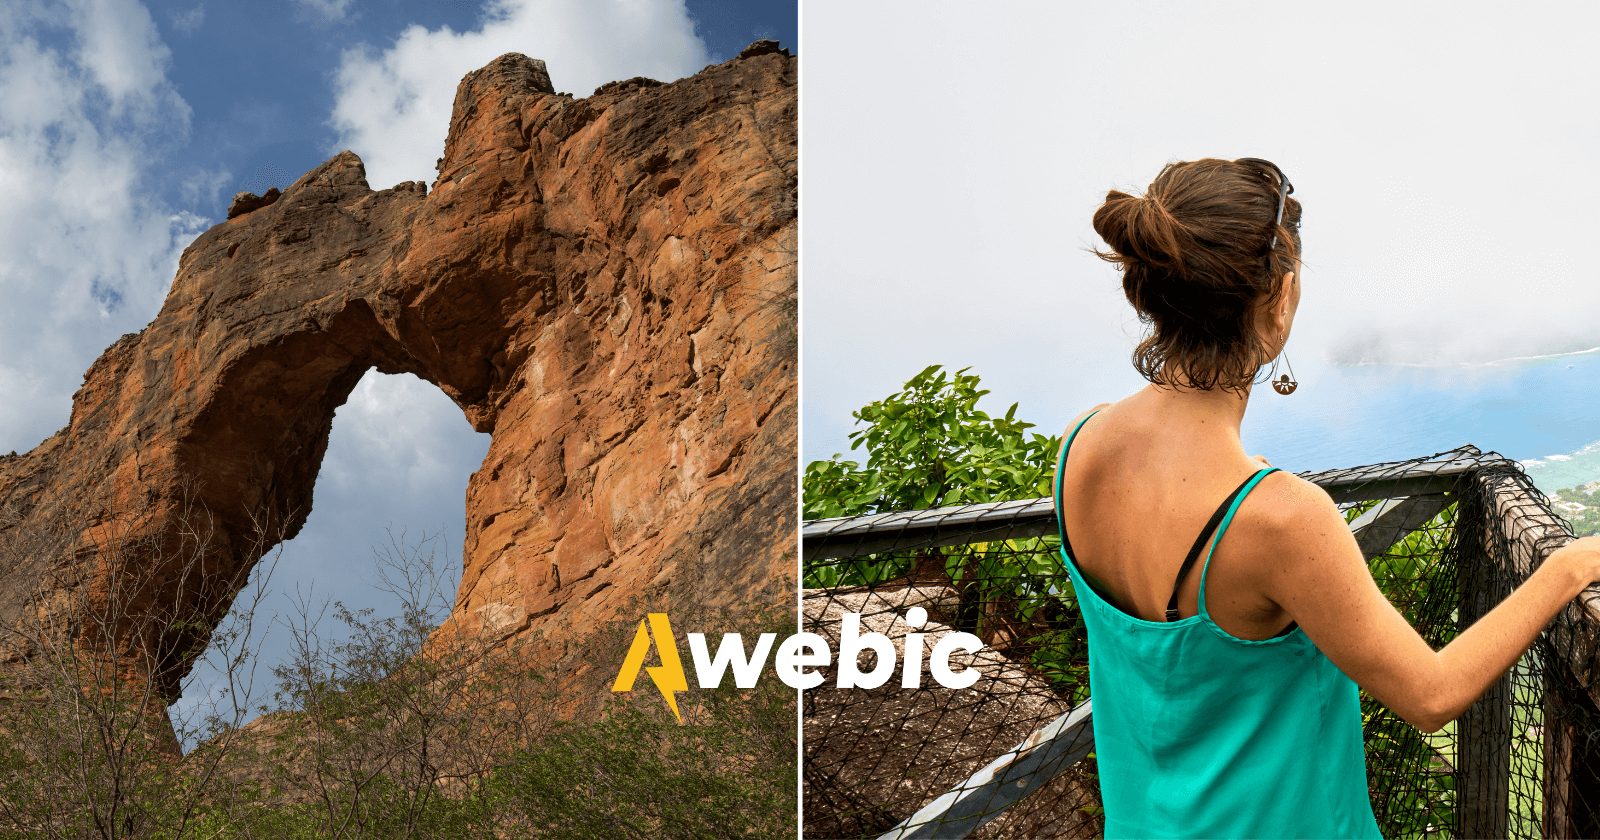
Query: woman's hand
(1321,577)
(1583,556)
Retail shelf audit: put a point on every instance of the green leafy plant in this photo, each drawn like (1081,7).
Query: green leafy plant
(930,445)
(1408,575)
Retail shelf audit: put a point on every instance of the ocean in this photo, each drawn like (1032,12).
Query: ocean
(1541,411)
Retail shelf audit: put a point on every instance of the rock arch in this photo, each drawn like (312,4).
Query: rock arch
(606,285)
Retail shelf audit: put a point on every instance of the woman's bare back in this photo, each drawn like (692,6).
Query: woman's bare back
(1139,488)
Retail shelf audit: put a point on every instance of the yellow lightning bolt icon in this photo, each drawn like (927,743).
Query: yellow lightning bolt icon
(668,676)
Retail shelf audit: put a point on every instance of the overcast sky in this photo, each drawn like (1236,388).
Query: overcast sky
(125,128)
(953,159)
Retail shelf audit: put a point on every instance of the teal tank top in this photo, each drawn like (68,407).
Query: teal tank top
(1199,733)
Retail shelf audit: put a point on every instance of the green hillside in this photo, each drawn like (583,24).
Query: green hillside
(1580,506)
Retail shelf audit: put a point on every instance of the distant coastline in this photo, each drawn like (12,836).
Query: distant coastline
(1591,450)
(1579,506)
(1572,483)
(1491,363)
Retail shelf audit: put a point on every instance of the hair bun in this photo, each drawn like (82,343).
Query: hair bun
(1196,261)
(1141,229)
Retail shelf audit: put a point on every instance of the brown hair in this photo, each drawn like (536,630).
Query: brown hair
(1194,262)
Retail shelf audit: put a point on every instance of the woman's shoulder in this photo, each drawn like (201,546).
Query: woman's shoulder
(1289,507)
(1065,433)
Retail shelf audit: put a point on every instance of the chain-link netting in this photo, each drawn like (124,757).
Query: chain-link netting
(1446,536)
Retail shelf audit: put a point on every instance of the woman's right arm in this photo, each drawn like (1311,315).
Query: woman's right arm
(1323,582)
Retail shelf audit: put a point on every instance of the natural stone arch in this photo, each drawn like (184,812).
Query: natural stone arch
(606,285)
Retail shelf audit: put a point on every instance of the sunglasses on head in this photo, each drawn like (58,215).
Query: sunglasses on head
(1284,189)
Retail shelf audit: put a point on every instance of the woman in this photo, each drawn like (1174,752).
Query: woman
(1225,694)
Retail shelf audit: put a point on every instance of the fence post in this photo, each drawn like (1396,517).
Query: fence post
(1571,758)
(1556,819)
(1583,790)
(1525,532)
(1483,733)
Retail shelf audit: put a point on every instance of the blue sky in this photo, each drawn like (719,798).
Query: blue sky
(259,76)
(126,128)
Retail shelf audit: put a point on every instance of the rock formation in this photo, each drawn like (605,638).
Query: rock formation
(605,285)
(246,202)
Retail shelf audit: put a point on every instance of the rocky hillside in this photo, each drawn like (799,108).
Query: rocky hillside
(606,285)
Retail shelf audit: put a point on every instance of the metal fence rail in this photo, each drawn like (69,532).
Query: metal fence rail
(1448,535)
(853,536)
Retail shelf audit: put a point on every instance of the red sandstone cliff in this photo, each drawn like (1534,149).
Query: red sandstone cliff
(606,285)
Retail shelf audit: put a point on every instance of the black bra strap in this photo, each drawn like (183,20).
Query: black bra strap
(1199,542)
(1194,552)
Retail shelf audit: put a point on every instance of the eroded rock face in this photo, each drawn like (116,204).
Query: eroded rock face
(606,285)
(246,202)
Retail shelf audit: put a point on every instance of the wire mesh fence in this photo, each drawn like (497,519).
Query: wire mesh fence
(1446,536)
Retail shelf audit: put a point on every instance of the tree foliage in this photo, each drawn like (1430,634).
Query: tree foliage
(929,445)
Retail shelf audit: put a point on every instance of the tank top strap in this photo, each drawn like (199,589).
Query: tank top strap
(1233,507)
(1199,543)
(1061,466)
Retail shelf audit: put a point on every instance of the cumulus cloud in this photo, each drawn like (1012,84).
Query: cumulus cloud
(118,45)
(85,253)
(388,424)
(392,105)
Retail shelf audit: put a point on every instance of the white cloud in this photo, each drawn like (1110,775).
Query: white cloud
(329,11)
(119,47)
(203,187)
(398,461)
(392,105)
(189,21)
(953,161)
(399,421)
(85,253)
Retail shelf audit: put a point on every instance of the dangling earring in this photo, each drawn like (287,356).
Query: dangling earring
(1286,383)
